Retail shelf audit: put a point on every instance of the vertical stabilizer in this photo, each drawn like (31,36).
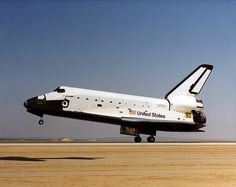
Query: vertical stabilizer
(193,83)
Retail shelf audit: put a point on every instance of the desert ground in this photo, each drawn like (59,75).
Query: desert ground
(107,164)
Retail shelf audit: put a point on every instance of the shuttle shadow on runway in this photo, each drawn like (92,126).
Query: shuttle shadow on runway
(19,158)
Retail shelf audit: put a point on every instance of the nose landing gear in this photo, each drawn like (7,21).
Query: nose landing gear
(41,122)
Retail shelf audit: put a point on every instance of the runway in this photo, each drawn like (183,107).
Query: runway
(122,144)
(118,164)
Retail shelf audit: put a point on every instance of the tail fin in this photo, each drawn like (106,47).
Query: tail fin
(193,83)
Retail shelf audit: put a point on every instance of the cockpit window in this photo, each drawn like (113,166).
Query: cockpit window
(59,90)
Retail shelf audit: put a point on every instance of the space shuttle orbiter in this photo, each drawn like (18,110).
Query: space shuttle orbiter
(179,111)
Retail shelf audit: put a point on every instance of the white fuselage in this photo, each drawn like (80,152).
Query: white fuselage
(118,105)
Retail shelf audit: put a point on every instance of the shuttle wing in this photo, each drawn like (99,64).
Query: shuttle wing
(161,125)
(143,120)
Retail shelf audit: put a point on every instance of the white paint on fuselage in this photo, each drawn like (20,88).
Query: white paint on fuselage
(117,105)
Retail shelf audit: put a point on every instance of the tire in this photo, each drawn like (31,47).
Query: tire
(151,139)
(41,122)
(137,139)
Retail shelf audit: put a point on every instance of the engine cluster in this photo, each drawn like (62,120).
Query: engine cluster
(199,117)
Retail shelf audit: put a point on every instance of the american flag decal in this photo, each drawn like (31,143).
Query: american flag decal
(132,112)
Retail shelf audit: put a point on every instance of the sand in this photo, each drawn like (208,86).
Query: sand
(118,165)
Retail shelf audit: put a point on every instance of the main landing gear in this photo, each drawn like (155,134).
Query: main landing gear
(150,139)
(137,139)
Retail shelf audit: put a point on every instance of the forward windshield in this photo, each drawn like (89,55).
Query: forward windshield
(59,90)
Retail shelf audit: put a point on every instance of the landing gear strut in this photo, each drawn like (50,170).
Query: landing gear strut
(137,139)
(41,122)
(151,139)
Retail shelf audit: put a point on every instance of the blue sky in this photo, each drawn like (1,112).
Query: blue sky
(135,47)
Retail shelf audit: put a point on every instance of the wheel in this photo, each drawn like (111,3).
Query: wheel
(151,139)
(41,122)
(137,139)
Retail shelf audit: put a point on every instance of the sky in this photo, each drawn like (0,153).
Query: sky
(134,47)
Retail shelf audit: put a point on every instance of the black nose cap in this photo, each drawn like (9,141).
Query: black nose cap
(31,103)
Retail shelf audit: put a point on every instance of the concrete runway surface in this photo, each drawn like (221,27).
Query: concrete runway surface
(118,164)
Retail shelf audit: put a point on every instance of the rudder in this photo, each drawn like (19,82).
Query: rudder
(193,83)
